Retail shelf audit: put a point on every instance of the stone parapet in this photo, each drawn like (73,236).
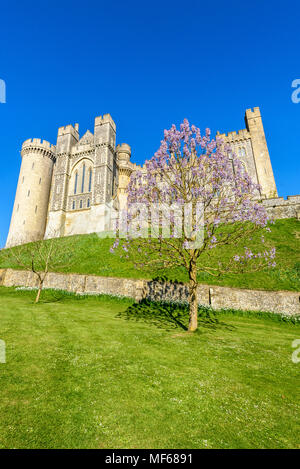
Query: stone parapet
(278,207)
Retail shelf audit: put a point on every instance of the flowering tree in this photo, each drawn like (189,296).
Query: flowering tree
(192,199)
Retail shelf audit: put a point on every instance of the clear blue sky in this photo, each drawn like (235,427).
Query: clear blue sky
(148,64)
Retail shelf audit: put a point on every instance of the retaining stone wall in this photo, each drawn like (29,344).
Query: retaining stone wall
(282,302)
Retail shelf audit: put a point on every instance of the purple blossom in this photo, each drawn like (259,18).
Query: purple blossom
(191,166)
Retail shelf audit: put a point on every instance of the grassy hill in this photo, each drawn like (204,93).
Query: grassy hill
(101,372)
(90,255)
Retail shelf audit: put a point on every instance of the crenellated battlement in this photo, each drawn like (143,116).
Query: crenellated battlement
(92,171)
(123,148)
(253,114)
(38,144)
(242,134)
(275,201)
(279,207)
(123,157)
(69,130)
(105,119)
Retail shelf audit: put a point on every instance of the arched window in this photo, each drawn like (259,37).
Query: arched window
(90,179)
(75,183)
(88,202)
(83,176)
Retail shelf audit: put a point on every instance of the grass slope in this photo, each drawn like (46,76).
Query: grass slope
(91,373)
(90,255)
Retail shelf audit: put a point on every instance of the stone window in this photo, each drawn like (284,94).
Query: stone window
(81,180)
(88,202)
(90,179)
(76,182)
(83,177)
(73,205)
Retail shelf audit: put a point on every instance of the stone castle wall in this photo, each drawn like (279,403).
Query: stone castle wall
(49,203)
(280,302)
(28,220)
(279,207)
(250,146)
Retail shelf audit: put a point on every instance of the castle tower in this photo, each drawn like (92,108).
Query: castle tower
(105,159)
(261,155)
(67,138)
(29,215)
(125,171)
(250,147)
(84,179)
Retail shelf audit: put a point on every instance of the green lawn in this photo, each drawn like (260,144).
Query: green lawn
(90,255)
(100,372)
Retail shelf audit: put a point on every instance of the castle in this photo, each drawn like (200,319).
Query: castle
(66,189)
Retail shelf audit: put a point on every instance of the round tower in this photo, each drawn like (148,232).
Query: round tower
(125,171)
(28,221)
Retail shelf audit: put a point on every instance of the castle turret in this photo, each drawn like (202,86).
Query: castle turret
(261,155)
(250,146)
(67,138)
(105,164)
(29,215)
(125,171)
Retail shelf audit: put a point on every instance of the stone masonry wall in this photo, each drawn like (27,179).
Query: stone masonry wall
(282,302)
(278,207)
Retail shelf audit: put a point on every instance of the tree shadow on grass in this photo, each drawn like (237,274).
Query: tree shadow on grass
(54,296)
(170,316)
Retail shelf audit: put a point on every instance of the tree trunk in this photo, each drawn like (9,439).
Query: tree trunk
(39,292)
(193,322)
